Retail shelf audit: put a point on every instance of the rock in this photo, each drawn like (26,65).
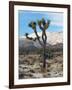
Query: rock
(32,71)
(37,75)
(26,70)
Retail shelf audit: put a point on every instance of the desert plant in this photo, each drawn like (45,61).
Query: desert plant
(43,25)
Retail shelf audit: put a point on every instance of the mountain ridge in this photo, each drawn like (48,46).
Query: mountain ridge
(53,38)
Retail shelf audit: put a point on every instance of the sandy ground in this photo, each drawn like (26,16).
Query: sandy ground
(31,66)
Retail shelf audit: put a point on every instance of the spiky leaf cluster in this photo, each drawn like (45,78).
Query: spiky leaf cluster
(43,25)
(32,25)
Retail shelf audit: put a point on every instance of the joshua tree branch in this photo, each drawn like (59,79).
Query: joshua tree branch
(41,27)
(30,38)
(44,38)
(38,37)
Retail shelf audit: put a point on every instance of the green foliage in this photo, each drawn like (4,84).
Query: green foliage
(32,25)
(26,34)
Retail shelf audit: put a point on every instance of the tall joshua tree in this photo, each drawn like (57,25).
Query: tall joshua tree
(43,25)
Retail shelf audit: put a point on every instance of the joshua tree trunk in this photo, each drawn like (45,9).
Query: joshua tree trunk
(44,58)
(44,53)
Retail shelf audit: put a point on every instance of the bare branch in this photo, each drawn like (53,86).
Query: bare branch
(30,38)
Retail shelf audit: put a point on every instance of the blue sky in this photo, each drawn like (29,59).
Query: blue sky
(25,17)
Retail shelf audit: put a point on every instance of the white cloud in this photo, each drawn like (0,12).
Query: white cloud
(57,17)
(57,23)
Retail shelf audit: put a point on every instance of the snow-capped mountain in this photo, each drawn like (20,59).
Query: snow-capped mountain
(53,38)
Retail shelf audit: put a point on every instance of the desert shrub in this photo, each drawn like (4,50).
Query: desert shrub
(49,54)
(21,75)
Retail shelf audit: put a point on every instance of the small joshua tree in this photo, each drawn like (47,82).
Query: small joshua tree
(43,25)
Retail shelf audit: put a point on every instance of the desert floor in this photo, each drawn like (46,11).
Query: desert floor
(31,66)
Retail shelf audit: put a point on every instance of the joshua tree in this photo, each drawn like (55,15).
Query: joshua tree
(43,25)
